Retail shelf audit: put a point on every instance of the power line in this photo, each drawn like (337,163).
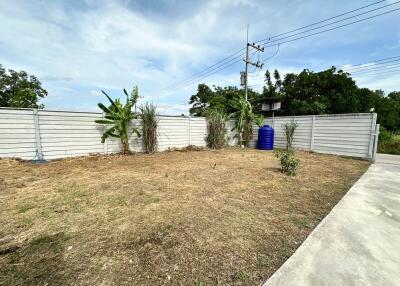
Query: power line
(235,57)
(266,59)
(369,65)
(214,70)
(225,66)
(334,28)
(378,73)
(329,24)
(376,69)
(216,65)
(347,24)
(322,21)
(376,61)
(337,27)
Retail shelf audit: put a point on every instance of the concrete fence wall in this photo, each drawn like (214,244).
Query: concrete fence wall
(29,133)
(342,134)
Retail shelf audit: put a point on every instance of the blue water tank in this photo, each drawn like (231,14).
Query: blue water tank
(266,138)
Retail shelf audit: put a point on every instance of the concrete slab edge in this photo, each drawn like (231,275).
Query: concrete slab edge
(306,242)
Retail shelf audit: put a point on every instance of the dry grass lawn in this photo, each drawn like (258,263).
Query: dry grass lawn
(224,217)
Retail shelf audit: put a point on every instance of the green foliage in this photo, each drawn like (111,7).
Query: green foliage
(243,116)
(388,109)
(384,135)
(389,142)
(149,123)
(18,89)
(118,116)
(217,98)
(330,91)
(290,128)
(390,147)
(216,128)
(259,119)
(289,163)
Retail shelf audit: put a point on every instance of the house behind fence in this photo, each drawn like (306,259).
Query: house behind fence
(33,134)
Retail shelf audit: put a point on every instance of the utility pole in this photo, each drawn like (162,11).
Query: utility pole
(244,76)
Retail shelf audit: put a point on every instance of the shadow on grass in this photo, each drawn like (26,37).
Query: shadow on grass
(39,262)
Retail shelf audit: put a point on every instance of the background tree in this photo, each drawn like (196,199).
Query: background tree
(18,89)
(216,98)
(330,91)
(395,95)
(388,110)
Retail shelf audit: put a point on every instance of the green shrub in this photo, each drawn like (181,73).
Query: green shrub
(390,147)
(216,129)
(389,142)
(149,123)
(289,163)
(384,135)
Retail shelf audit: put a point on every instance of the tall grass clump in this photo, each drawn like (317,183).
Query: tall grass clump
(243,116)
(149,123)
(216,129)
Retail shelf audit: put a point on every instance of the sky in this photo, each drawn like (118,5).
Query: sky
(79,47)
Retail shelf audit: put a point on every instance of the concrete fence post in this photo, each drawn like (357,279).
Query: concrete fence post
(273,120)
(372,136)
(38,140)
(105,144)
(190,130)
(312,133)
(377,126)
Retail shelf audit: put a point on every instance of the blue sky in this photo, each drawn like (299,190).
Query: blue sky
(79,47)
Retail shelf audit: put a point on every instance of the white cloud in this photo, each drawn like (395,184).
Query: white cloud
(96,92)
(385,81)
(109,45)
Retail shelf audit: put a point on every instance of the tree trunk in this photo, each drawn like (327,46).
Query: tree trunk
(125,146)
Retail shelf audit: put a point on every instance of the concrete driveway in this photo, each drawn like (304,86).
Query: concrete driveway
(358,243)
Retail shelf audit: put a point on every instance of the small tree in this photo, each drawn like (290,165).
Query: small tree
(216,128)
(290,128)
(149,123)
(119,116)
(289,163)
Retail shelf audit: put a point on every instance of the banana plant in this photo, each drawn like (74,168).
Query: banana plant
(259,119)
(243,116)
(117,118)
